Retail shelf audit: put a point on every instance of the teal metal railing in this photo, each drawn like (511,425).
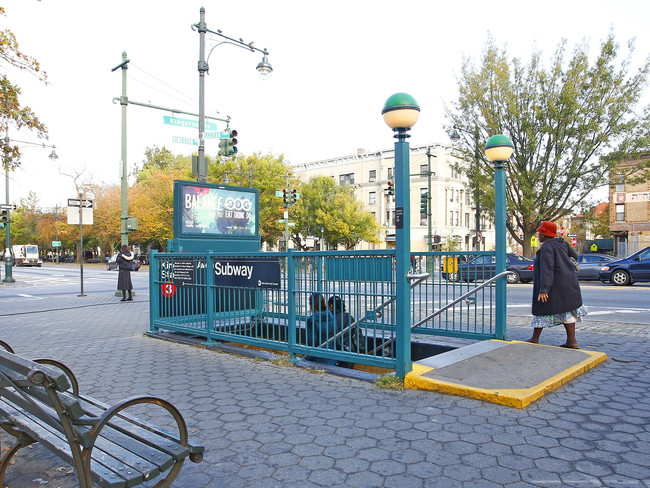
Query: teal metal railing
(185,298)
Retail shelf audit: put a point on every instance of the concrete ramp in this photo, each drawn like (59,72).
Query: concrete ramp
(509,373)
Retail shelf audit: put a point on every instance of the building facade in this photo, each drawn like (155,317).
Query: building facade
(452,207)
(629,210)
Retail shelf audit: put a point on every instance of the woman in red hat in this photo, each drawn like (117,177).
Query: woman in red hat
(556,291)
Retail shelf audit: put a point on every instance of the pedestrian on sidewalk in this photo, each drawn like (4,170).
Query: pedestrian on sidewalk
(556,291)
(124,266)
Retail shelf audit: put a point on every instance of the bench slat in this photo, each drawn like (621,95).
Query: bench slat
(55,442)
(13,365)
(151,436)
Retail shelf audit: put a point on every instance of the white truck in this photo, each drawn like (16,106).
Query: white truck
(26,255)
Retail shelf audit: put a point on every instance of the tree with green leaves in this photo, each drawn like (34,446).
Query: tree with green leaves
(563,121)
(265,172)
(12,113)
(334,208)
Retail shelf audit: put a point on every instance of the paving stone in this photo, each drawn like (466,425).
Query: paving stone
(269,426)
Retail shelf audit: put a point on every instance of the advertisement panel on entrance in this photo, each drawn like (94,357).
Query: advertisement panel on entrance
(209,211)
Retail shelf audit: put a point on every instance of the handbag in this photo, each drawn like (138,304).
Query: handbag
(133,266)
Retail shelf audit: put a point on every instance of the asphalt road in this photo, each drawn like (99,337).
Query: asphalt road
(607,303)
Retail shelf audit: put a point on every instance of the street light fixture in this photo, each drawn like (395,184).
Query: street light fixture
(401,112)
(455,138)
(264,70)
(498,149)
(8,258)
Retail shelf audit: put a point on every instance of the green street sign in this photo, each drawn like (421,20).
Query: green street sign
(56,243)
(192,124)
(185,140)
(217,135)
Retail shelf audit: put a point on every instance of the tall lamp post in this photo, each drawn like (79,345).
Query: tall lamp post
(455,137)
(401,112)
(263,68)
(8,258)
(498,149)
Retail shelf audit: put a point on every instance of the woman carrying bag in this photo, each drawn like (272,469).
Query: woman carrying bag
(556,291)
(124,265)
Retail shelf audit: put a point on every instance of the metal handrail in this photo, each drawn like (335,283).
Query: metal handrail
(417,277)
(449,305)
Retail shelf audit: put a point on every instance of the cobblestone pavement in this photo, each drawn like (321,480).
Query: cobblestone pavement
(266,425)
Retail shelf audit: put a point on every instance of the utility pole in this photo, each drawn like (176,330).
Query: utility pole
(202,167)
(477,189)
(124,210)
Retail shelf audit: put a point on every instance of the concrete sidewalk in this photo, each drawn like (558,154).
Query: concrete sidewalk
(274,426)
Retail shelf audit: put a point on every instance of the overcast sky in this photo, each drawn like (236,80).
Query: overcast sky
(335,64)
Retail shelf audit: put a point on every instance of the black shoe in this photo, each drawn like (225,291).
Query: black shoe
(129,299)
(123,300)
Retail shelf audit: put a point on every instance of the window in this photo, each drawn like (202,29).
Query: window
(457,199)
(467,220)
(466,198)
(372,198)
(372,175)
(347,179)
(456,217)
(620,212)
(620,184)
(390,173)
(451,195)
(424,169)
(451,218)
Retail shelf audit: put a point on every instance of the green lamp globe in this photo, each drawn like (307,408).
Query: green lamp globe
(401,111)
(498,148)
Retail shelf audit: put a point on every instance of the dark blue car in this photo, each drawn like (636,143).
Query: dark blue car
(629,270)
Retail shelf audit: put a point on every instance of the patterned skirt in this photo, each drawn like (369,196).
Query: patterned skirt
(574,316)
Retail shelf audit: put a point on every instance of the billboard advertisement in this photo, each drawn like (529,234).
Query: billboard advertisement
(207,211)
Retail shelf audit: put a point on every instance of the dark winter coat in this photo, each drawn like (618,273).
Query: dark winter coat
(124,261)
(554,274)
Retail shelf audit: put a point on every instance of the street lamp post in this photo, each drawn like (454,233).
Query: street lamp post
(8,257)
(401,112)
(498,149)
(455,137)
(226,179)
(263,68)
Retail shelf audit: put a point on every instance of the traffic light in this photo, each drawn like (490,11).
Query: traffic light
(284,199)
(294,196)
(424,202)
(436,239)
(391,188)
(223,147)
(5,217)
(228,146)
(231,147)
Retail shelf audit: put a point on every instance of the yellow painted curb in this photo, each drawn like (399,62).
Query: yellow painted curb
(518,398)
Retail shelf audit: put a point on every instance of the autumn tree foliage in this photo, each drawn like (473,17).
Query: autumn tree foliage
(12,112)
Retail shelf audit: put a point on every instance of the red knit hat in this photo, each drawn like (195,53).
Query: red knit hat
(548,229)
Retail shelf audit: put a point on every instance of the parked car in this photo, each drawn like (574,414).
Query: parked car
(484,267)
(112,263)
(590,264)
(629,270)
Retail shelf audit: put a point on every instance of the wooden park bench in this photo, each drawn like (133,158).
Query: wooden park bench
(40,402)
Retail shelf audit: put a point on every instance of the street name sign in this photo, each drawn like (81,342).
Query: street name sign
(185,140)
(192,124)
(217,135)
(75,202)
(56,243)
(7,206)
